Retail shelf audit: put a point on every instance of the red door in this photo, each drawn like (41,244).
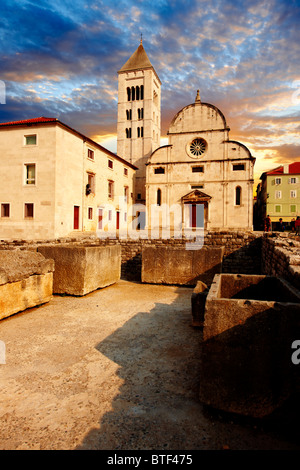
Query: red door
(76,217)
(118,220)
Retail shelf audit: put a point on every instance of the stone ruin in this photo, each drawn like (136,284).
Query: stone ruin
(249,324)
(29,278)
(81,269)
(26,280)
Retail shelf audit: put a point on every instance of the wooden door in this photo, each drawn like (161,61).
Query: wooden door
(76,217)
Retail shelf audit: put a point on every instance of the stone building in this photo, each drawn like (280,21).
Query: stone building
(55,181)
(204,175)
(139,115)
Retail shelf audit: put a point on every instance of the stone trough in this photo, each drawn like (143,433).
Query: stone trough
(250,323)
(81,269)
(26,281)
(177,265)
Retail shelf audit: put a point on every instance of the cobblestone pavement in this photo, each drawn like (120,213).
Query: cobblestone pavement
(116,369)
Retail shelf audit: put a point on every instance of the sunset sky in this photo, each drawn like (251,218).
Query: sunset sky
(61,58)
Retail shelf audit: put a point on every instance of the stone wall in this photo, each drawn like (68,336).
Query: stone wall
(280,256)
(242,250)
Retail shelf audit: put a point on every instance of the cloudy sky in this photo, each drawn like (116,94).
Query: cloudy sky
(59,58)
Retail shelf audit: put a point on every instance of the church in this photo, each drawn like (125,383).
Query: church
(57,182)
(201,176)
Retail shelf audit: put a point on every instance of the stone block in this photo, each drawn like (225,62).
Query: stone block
(198,303)
(26,281)
(250,324)
(177,265)
(80,269)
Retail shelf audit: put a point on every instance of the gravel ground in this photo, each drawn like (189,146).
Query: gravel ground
(117,369)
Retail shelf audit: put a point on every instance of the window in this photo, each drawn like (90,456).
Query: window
(5,210)
(132,93)
(159,170)
(238,166)
(91,154)
(125,171)
(277,194)
(28,211)
(293,208)
(142,132)
(110,164)
(30,139)
(197,169)
(238,194)
(128,114)
(126,192)
(140,113)
(128,133)
(293,193)
(293,180)
(197,186)
(158,197)
(91,184)
(198,147)
(30,173)
(110,189)
(138,132)
(277,208)
(139,196)
(90,213)
(277,180)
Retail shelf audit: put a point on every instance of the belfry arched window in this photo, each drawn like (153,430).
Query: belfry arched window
(142,92)
(128,94)
(158,197)
(137,92)
(238,196)
(132,93)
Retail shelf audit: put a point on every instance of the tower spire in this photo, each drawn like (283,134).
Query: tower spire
(141,38)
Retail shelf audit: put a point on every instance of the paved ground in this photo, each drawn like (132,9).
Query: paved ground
(116,369)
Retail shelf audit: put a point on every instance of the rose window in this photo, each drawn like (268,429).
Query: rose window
(198,147)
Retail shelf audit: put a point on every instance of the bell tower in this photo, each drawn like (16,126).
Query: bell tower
(139,115)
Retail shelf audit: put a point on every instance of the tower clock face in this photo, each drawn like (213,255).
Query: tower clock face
(197,147)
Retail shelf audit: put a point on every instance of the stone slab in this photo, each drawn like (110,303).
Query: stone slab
(80,270)
(177,265)
(246,365)
(20,295)
(26,281)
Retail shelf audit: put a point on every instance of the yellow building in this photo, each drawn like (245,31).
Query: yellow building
(56,182)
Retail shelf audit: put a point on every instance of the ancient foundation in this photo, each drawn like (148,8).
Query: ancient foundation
(250,324)
(177,265)
(83,269)
(26,281)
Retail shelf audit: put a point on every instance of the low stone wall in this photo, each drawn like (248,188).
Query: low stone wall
(280,256)
(242,250)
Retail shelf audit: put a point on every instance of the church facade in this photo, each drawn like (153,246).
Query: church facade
(201,178)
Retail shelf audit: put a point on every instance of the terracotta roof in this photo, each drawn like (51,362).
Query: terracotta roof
(138,60)
(28,121)
(293,168)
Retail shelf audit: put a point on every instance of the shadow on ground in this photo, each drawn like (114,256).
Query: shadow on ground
(157,407)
